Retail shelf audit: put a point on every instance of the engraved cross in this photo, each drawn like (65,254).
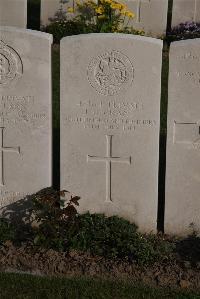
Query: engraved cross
(109,159)
(2,151)
(186,132)
(138,10)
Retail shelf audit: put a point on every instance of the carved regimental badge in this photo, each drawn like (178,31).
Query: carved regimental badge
(11,67)
(109,73)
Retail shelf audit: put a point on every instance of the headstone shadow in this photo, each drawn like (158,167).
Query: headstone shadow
(189,248)
(21,214)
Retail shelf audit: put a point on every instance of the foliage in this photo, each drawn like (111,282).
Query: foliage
(187,30)
(90,16)
(115,237)
(112,237)
(54,221)
(6,231)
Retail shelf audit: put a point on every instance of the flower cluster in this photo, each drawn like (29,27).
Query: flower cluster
(187,30)
(91,16)
(104,13)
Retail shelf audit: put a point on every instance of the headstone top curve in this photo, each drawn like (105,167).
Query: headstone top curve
(113,35)
(36,33)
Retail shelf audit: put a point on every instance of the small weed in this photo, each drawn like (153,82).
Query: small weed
(6,231)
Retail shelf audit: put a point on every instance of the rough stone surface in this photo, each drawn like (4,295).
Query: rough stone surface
(184,11)
(25,113)
(50,7)
(13,13)
(110,99)
(183,142)
(150,15)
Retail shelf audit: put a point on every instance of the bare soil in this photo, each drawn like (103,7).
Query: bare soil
(30,259)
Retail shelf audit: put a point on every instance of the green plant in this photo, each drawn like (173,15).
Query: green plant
(104,15)
(90,16)
(54,220)
(112,237)
(6,231)
(115,237)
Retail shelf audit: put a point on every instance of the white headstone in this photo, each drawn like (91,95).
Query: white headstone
(184,11)
(50,7)
(110,105)
(25,113)
(182,205)
(150,15)
(13,13)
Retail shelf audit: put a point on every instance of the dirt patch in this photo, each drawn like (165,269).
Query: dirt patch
(30,259)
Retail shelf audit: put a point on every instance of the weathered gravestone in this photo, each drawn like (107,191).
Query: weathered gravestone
(13,13)
(183,142)
(25,113)
(185,11)
(150,15)
(50,7)
(110,99)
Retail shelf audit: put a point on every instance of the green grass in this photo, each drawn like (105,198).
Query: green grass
(20,286)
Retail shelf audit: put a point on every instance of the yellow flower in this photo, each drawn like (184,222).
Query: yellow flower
(115,5)
(70,10)
(123,6)
(99,10)
(130,14)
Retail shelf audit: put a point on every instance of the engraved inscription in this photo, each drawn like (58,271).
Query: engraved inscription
(110,72)
(108,115)
(194,77)
(108,159)
(187,72)
(110,123)
(11,67)
(20,110)
(2,151)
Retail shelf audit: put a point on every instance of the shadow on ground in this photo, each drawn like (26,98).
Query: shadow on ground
(189,249)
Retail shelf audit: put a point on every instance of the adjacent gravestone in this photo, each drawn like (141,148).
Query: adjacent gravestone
(50,7)
(185,11)
(110,99)
(25,113)
(183,142)
(150,15)
(13,13)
